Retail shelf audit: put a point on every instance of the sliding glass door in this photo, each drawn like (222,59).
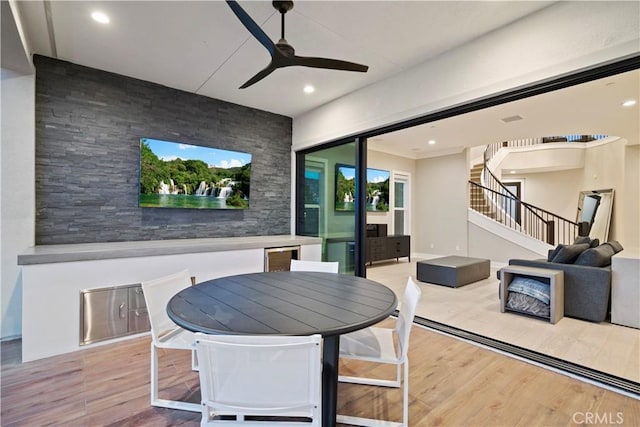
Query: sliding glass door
(326,202)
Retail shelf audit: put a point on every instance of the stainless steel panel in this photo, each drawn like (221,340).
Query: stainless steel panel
(108,313)
(138,320)
(136,297)
(104,314)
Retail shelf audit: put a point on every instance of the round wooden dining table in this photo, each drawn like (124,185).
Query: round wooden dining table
(287,303)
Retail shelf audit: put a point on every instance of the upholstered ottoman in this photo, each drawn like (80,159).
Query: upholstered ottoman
(453,271)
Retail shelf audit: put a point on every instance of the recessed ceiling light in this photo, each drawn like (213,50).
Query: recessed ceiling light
(629,103)
(512,172)
(100,17)
(309,89)
(431,142)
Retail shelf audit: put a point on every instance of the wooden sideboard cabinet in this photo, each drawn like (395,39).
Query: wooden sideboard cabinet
(387,247)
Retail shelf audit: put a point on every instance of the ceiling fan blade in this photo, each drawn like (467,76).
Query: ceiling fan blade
(283,54)
(251,25)
(261,75)
(331,64)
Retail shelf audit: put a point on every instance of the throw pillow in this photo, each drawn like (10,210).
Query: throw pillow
(596,257)
(553,252)
(569,253)
(581,239)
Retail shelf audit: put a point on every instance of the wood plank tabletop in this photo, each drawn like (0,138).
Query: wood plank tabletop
(282,303)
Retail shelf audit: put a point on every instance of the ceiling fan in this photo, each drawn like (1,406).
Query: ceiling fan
(282,53)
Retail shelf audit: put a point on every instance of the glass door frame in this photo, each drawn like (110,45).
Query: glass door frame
(360,212)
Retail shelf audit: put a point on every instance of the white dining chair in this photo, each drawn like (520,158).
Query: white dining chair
(320,266)
(376,344)
(275,378)
(165,333)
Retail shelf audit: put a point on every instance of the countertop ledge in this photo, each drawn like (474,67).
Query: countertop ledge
(47,254)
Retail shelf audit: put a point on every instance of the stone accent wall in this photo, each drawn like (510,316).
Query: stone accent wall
(88,129)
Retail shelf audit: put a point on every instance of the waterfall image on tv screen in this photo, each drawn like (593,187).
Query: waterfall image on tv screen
(177,175)
(377,189)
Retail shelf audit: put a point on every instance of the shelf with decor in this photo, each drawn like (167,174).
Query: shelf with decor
(553,279)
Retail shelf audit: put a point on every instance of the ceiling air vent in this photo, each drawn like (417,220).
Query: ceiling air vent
(511,119)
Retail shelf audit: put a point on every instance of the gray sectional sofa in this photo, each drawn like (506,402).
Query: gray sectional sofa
(587,276)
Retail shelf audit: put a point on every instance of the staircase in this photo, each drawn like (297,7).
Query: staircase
(493,200)
(477,199)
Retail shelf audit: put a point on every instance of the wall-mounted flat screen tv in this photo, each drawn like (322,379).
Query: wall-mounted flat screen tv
(377,189)
(178,175)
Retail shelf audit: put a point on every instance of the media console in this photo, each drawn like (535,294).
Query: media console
(380,246)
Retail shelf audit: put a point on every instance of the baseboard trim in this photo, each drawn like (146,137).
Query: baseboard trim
(603,379)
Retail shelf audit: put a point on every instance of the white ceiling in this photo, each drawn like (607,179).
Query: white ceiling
(590,108)
(201,47)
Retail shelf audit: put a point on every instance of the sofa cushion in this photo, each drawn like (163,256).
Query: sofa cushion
(596,257)
(567,254)
(586,239)
(617,247)
(578,241)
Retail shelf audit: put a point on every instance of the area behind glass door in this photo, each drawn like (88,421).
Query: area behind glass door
(321,214)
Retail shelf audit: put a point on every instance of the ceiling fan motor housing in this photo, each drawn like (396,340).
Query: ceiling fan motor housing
(282,6)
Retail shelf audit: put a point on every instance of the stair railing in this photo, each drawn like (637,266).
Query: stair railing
(506,208)
(534,221)
(492,149)
(510,207)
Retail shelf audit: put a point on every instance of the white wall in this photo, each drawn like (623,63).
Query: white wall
(440,201)
(630,206)
(485,244)
(555,192)
(564,37)
(476,155)
(539,157)
(17,192)
(604,167)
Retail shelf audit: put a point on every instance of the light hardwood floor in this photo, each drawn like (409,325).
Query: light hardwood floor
(452,383)
(475,307)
